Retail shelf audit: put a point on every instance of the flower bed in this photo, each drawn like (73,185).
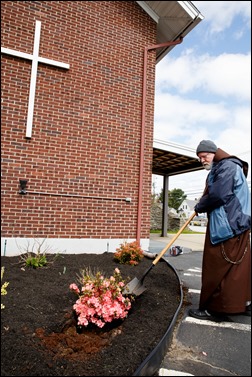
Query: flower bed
(38,328)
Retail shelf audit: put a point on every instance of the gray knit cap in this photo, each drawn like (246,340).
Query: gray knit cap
(206,146)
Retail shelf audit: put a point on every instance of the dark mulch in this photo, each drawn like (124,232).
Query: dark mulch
(38,334)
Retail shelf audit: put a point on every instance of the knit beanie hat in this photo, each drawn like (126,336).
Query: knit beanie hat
(206,146)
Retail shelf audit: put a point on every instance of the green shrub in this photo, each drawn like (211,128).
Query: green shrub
(35,260)
(35,255)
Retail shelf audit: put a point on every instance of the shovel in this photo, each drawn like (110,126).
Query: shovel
(135,287)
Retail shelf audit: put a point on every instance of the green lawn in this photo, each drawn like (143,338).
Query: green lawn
(185,231)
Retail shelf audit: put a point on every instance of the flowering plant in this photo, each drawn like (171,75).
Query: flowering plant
(129,253)
(100,299)
(3,286)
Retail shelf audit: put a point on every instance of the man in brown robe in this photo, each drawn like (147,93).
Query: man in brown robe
(226,265)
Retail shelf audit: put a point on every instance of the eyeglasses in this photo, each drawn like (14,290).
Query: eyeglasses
(203,157)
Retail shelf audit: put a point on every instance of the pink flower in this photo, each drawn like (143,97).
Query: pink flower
(100,299)
(74,288)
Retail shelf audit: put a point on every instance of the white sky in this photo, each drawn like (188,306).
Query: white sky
(203,89)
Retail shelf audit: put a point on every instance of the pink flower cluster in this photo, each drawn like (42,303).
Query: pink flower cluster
(100,299)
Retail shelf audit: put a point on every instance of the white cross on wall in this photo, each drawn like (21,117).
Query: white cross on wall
(35,58)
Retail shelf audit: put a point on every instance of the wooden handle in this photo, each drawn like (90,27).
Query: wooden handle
(174,239)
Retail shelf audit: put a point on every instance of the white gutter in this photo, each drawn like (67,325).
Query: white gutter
(175,148)
(190,9)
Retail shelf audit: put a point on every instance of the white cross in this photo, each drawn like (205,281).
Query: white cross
(35,60)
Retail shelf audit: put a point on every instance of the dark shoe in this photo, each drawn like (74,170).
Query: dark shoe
(201,314)
(248,311)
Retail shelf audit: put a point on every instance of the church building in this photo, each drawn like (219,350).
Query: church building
(78,86)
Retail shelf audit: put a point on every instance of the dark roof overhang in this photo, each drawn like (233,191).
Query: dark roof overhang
(172,159)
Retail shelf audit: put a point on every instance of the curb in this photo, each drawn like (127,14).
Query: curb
(153,361)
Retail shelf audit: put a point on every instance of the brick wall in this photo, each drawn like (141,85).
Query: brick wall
(82,160)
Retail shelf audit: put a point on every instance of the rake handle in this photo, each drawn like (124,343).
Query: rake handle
(159,256)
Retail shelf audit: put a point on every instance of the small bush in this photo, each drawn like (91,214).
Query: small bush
(100,299)
(35,260)
(35,255)
(129,253)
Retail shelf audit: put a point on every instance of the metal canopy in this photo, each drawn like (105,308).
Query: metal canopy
(172,159)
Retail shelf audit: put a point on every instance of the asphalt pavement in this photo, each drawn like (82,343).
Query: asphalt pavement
(202,348)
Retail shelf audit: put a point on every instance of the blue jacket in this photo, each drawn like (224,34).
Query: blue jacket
(227,198)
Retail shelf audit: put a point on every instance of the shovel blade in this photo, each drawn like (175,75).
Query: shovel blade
(134,287)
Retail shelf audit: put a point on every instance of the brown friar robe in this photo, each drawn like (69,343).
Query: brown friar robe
(226,274)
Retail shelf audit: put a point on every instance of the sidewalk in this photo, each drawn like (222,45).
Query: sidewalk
(194,242)
(202,348)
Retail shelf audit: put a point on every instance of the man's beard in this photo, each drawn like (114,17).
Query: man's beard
(207,166)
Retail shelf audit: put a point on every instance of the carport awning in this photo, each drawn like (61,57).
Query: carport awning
(172,159)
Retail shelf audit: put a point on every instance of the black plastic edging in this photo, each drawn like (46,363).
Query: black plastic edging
(153,361)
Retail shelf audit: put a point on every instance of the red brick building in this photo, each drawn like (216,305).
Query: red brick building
(78,80)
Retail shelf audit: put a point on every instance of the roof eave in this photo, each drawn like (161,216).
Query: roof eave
(174,19)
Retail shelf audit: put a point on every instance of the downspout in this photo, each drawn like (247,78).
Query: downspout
(140,199)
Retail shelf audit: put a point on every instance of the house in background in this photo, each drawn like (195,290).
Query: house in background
(78,83)
(186,209)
